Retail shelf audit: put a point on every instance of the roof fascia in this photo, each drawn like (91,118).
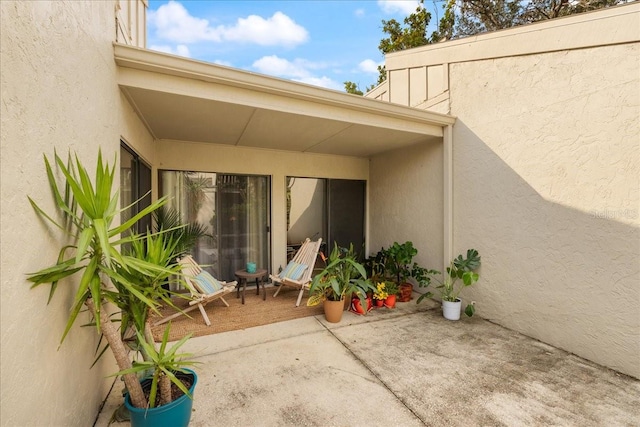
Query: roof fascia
(146,60)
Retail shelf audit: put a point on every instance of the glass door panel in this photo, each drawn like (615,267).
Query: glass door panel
(235,211)
(333,209)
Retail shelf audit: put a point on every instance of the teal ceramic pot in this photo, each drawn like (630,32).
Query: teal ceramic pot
(175,414)
(251,267)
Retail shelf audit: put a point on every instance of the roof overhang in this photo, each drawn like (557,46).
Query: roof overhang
(187,100)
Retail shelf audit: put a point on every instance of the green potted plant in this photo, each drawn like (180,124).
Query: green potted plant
(459,269)
(343,275)
(375,265)
(166,367)
(380,294)
(392,292)
(400,264)
(128,279)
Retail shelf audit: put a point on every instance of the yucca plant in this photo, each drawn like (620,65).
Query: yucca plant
(157,249)
(165,363)
(88,210)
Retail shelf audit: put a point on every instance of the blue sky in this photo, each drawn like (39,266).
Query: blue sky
(322,43)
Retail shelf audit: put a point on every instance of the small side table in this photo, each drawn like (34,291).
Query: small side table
(243,276)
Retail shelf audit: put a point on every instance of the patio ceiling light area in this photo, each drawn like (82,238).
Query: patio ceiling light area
(185,100)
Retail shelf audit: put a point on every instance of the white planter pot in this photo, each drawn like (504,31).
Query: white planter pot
(451,310)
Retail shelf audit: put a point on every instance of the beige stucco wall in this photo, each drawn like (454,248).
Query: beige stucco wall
(547,167)
(546,176)
(308,210)
(205,157)
(58,93)
(406,201)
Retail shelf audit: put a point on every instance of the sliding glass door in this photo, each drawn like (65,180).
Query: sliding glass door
(135,186)
(333,209)
(235,211)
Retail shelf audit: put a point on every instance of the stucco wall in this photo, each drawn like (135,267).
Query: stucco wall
(307,214)
(546,179)
(58,92)
(406,199)
(546,168)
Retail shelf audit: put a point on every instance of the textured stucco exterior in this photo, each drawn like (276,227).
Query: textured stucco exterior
(546,188)
(546,167)
(406,199)
(51,100)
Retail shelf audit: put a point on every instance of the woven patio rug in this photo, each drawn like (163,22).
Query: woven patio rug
(254,312)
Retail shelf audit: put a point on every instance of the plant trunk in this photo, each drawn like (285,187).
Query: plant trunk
(164,384)
(148,332)
(121,355)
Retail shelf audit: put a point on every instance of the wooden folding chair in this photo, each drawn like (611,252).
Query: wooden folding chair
(300,269)
(203,287)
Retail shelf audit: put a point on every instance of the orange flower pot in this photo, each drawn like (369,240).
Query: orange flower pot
(390,302)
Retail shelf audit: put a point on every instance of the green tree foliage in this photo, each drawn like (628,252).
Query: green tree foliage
(468,17)
(463,18)
(400,37)
(352,88)
(412,34)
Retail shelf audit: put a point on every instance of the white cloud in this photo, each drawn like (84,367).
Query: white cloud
(181,49)
(277,30)
(359,12)
(221,62)
(299,70)
(173,22)
(405,7)
(276,66)
(369,66)
(323,81)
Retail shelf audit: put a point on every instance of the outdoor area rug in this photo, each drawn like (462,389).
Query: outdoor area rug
(254,312)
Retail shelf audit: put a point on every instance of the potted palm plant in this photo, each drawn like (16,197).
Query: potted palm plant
(128,279)
(343,275)
(459,269)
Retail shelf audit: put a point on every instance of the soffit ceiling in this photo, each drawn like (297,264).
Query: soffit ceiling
(186,100)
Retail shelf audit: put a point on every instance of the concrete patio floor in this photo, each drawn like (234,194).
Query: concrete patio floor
(403,367)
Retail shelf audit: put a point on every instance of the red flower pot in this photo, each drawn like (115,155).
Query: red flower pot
(390,302)
(356,306)
(379,302)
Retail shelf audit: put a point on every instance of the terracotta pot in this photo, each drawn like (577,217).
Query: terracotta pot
(356,306)
(390,302)
(333,310)
(379,302)
(406,290)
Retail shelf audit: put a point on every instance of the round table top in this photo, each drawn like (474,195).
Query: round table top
(260,272)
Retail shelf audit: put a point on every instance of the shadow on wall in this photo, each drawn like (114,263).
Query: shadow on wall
(559,274)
